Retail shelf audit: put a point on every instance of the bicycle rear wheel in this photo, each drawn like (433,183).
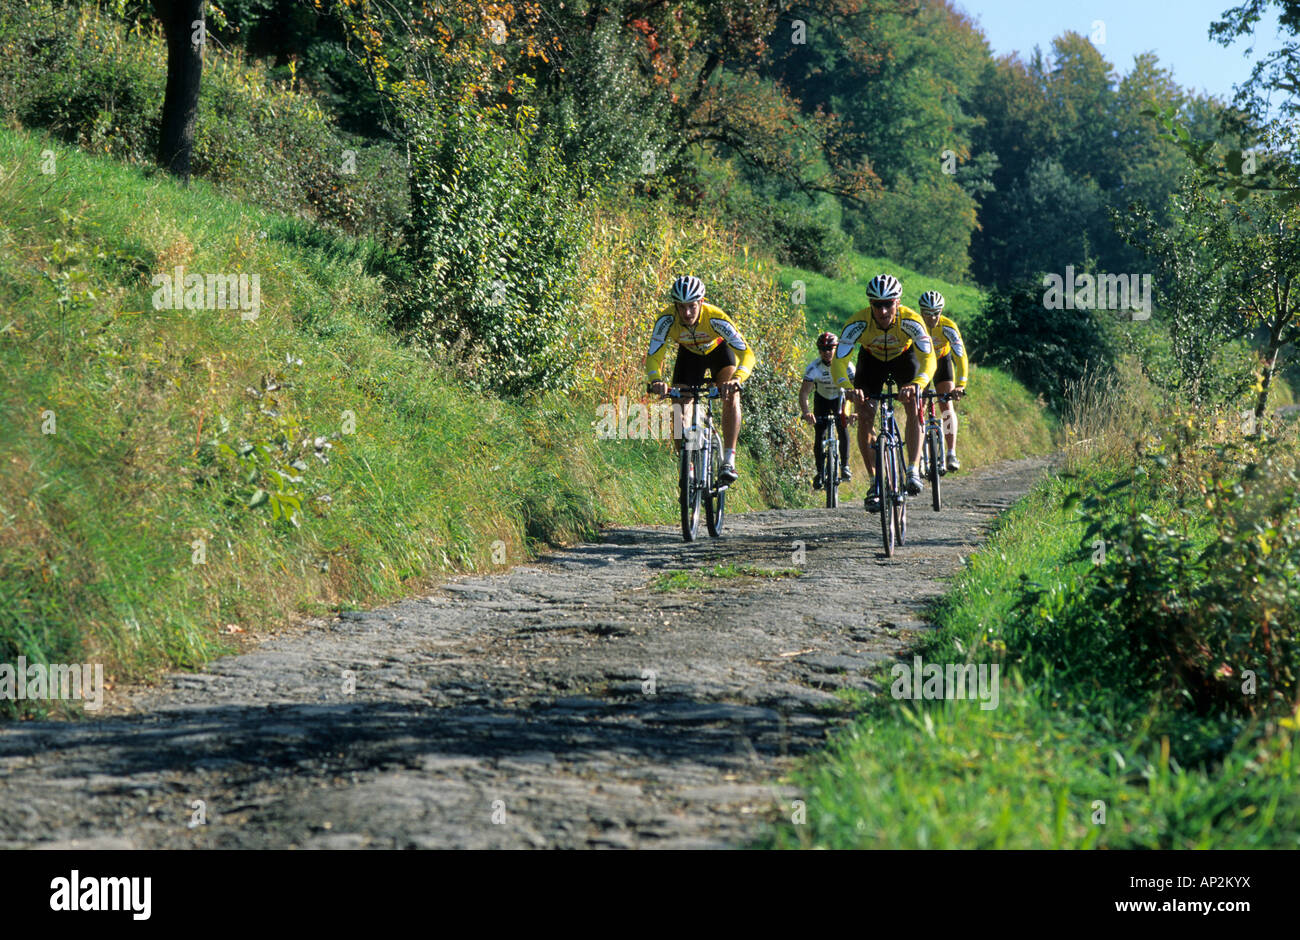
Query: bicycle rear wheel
(831,470)
(715,500)
(934,458)
(885,478)
(688,494)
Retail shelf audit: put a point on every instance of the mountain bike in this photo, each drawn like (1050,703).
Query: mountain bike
(699,462)
(891,467)
(934,447)
(830,467)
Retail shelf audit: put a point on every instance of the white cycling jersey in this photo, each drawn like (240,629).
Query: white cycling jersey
(819,373)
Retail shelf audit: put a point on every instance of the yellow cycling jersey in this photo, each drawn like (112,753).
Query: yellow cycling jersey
(712,329)
(947,339)
(886,344)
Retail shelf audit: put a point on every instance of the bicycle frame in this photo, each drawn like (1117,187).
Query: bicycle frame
(934,447)
(891,465)
(932,420)
(830,467)
(700,455)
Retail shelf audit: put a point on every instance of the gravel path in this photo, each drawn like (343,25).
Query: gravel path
(567,703)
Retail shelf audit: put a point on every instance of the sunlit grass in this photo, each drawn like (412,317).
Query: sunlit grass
(1053,765)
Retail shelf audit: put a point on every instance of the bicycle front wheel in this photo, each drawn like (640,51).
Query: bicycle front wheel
(688,494)
(900,503)
(831,470)
(885,479)
(934,457)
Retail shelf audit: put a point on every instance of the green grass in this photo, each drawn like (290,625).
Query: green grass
(701,578)
(1038,770)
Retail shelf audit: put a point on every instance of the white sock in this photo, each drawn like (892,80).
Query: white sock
(729,455)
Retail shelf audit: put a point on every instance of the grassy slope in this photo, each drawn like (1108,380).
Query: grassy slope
(1001,419)
(99,518)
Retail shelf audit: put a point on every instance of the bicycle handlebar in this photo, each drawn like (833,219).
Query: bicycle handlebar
(946,396)
(692,390)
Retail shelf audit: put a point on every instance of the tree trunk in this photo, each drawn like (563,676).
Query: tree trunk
(186,35)
(1274,346)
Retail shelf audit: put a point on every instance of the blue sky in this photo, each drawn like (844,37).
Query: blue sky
(1176,30)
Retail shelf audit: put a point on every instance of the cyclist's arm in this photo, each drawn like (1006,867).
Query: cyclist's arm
(803,396)
(746,365)
(745,359)
(958,354)
(660,339)
(920,336)
(840,361)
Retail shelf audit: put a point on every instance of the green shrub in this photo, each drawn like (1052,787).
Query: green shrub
(494,236)
(1194,590)
(925,225)
(1047,350)
(797,235)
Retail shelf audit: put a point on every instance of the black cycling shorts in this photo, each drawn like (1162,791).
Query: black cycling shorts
(872,372)
(827,406)
(690,367)
(943,372)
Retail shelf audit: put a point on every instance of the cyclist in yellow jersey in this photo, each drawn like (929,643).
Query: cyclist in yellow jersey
(895,344)
(952,366)
(707,340)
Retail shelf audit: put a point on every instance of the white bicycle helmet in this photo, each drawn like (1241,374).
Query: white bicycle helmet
(884,287)
(932,300)
(687,289)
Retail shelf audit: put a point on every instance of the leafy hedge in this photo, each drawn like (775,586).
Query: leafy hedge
(493,237)
(1194,591)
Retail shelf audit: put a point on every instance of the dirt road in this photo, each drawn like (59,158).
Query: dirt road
(567,703)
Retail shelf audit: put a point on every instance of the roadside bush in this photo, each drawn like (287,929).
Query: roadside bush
(1047,350)
(79,76)
(1194,591)
(797,235)
(925,225)
(494,236)
(589,111)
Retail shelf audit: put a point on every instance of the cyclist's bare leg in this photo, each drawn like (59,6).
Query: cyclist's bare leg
(730,410)
(914,432)
(949,416)
(867,436)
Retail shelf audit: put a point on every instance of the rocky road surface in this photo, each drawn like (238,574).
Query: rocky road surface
(566,703)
